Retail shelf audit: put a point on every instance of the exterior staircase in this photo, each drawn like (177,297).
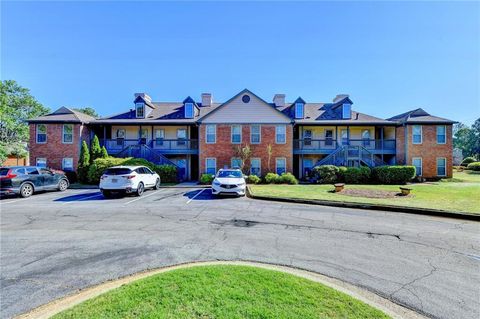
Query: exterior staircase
(349,155)
(146,152)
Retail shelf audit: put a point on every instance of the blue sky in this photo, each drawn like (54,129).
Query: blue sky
(389,56)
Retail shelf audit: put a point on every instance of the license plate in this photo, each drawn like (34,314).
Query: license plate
(114,180)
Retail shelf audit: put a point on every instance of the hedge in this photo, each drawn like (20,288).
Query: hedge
(271,178)
(206,179)
(285,178)
(468,160)
(326,174)
(393,174)
(357,175)
(475,166)
(253,179)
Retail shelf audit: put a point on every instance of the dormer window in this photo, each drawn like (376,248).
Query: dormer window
(139,110)
(299,110)
(189,110)
(347,111)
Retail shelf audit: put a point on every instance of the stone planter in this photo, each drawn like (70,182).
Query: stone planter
(405,191)
(339,187)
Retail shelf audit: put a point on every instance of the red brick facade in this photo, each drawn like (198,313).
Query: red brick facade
(54,151)
(429,150)
(223,149)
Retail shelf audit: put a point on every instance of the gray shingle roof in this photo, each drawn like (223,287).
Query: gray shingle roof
(419,116)
(64,115)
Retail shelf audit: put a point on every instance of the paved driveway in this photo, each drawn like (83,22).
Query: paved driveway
(54,243)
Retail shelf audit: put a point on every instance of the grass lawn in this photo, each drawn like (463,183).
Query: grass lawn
(223,292)
(458,194)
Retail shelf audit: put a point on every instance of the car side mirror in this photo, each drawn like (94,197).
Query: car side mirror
(213,176)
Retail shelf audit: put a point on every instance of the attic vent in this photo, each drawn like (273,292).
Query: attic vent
(245,98)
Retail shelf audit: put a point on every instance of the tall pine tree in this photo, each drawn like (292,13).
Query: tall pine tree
(104,152)
(95,149)
(83,163)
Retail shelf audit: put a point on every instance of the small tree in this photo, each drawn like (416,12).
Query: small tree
(104,152)
(269,159)
(95,149)
(244,153)
(83,163)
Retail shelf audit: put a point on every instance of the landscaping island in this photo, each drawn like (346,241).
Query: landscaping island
(223,292)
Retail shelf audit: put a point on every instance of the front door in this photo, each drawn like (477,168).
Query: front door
(307,167)
(182,168)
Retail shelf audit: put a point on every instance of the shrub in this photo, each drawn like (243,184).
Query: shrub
(475,166)
(99,165)
(253,179)
(287,178)
(357,175)
(132,161)
(271,178)
(104,153)
(326,174)
(206,179)
(168,173)
(468,160)
(341,174)
(393,174)
(95,150)
(83,163)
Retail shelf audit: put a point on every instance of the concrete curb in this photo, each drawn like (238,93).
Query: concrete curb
(401,209)
(370,298)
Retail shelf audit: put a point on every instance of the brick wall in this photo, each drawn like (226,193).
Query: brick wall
(54,150)
(223,149)
(429,150)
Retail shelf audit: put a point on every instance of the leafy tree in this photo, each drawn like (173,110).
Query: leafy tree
(95,149)
(88,110)
(16,106)
(244,153)
(83,163)
(104,152)
(467,138)
(475,136)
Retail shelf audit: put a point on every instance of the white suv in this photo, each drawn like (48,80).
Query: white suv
(128,180)
(229,181)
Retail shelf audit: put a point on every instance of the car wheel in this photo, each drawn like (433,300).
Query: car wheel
(62,185)
(26,190)
(140,189)
(157,184)
(107,194)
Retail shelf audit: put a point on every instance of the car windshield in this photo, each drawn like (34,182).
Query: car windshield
(230,174)
(117,171)
(4,171)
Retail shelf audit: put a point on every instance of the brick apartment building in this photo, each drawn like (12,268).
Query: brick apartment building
(204,136)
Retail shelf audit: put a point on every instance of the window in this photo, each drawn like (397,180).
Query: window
(143,135)
(236,134)
(280,165)
(67,136)
(41,133)
(255,166)
(366,137)
(45,171)
(417,162)
(307,167)
(280,134)
(159,136)
(211,134)
(346,111)
(417,134)
(441,166)
(441,134)
(139,110)
(328,137)
(299,114)
(211,165)
(32,171)
(41,162)
(121,133)
(67,164)
(255,135)
(181,136)
(188,110)
(307,137)
(236,162)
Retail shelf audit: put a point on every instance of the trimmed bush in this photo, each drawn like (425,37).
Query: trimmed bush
(475,166)
(99,165)
(287,178)
(168,173)
(271,178)
(468,160)
(341,174)
(357,175)
(206,179)
(253,179)
(326,174)
(393,174)
(83,163)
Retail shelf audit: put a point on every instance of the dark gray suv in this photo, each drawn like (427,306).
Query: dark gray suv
(25,180)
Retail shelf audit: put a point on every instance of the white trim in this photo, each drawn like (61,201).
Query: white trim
(436,165)
(41,158)
(63,134)
(436,135)
(36,134)
(259,134)
(231,133)
(214,133)
(276,166)
(136,109)
(276,133)
(206,164)
(421,165)
(421,134)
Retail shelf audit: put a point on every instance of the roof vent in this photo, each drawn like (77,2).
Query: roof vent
(207,99)
(339,97)
(279,100)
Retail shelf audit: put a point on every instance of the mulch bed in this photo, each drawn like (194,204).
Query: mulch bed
(372,193)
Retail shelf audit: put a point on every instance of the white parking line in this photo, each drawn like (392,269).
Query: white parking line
(195,195)
(142,197)
(14,201)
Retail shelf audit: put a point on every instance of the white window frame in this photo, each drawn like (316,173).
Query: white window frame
(445,134)
(214,133)
(436,164)
(206,165)
(277,134)
(41,159)
(299,114)
(142,106)
(159,140)
(276,164)
(231,133)
(63,134)
(259,165)
(63,164)
(188,107)
(346,107)
(421,134)
(259,134)
(235,159)
(36,133)
(421,165)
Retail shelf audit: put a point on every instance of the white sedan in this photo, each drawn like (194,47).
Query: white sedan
(128,180)
(229,181)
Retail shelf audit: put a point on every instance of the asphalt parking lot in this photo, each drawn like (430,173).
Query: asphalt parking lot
(53,244)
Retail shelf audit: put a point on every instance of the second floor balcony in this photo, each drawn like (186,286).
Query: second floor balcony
(165,146)
(327,146)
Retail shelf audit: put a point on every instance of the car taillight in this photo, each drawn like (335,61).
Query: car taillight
(9,174)
(129,176)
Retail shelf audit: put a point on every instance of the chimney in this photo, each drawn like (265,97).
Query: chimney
(207,99)
(339,97)
(279,100)
(144,96)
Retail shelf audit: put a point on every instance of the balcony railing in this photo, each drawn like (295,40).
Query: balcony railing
(161,145)
(307,144)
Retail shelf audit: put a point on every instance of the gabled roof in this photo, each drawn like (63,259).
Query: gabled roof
(419,116)
(64,115)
